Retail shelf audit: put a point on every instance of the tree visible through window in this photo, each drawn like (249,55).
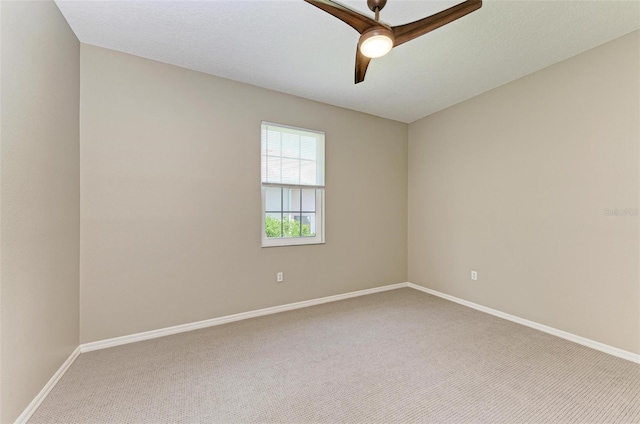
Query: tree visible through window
(292,185)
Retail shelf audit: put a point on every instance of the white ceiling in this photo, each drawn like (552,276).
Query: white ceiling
(293,47)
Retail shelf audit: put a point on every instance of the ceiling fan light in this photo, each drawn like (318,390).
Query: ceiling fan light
(376,43)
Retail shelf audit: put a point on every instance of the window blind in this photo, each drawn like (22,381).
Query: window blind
(291,156)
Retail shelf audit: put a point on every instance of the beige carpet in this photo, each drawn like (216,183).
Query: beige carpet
(400,356)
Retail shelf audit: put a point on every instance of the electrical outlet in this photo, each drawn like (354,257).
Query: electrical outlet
(280,277)
(474,275)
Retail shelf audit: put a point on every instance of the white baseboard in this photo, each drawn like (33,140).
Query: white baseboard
(132,338)
(102,344)
(35,403)
(629,356)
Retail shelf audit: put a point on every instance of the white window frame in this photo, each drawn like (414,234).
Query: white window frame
(320,200)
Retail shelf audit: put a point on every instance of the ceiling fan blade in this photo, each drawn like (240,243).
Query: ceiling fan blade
(362,62)
(352,18)
(408,32)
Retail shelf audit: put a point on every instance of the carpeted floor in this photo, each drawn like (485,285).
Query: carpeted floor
(399,356)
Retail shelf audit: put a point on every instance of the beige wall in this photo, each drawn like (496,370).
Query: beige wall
(170,198)
(514,184)
(40,199)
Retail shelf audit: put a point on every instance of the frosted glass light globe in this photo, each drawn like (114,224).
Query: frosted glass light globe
(376,42)
(376,46)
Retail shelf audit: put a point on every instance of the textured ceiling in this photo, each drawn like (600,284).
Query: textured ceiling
(293,47)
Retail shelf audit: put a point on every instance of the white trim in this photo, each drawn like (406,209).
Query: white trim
(294,186)
(40,397)
(132,338)
(291,127)
(629,356)
(292,241)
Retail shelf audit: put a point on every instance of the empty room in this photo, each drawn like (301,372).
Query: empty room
(319,211)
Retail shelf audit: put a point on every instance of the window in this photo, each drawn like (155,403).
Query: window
(292,186)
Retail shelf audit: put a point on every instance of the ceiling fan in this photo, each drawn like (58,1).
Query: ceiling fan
(378,38)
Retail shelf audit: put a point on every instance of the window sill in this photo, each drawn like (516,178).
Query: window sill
(289,243)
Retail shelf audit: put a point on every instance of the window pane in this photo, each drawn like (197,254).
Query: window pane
(273,199)
(273,143)
(308,147)
(292,157)
(291,199)
(290,145)
(273,225)
(308,221)
(291,171)
(291,225)
(274,168)
(309,200)
(308,172)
